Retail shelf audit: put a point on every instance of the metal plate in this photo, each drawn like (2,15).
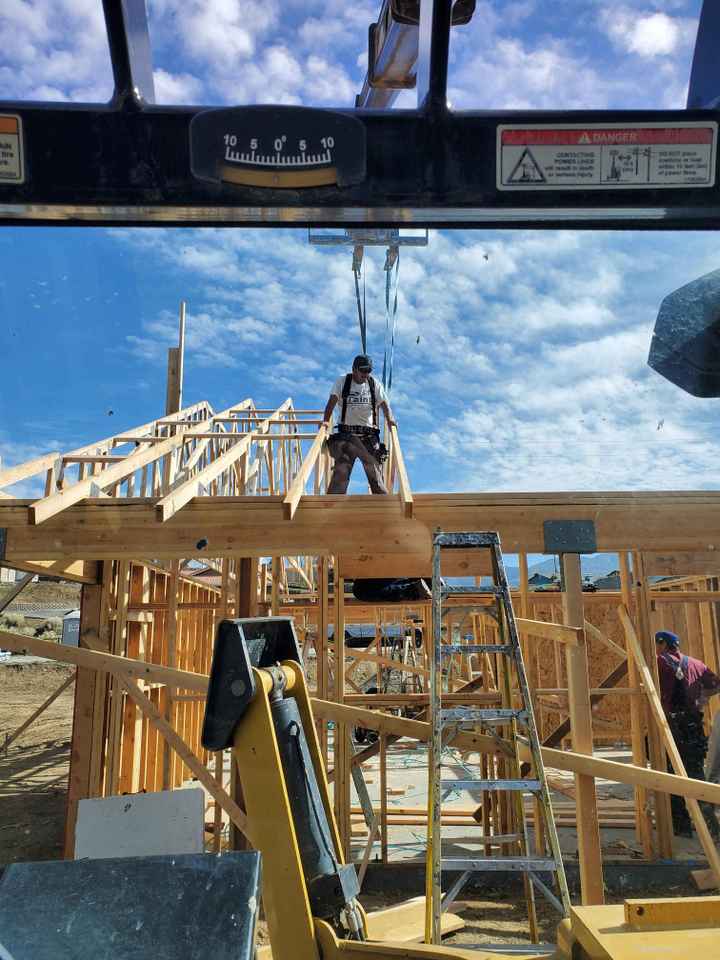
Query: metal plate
(569,536)
(167,908)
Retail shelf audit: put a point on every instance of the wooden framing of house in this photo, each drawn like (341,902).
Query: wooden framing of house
(245,484)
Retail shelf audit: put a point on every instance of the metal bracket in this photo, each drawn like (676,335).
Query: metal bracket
(569,536)
(240,646)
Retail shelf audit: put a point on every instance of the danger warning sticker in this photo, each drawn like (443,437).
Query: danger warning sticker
(623,155)
(12,167)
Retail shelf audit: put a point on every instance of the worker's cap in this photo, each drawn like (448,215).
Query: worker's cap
(668,637)
(362,362)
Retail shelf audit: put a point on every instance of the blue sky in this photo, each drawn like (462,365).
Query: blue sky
(530,371)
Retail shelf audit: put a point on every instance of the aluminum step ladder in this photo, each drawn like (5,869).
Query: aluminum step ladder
(506,723)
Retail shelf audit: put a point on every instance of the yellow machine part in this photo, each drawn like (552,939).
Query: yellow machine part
(671,929)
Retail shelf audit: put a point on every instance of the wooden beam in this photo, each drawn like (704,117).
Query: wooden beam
(406,497)
(22,471)
(459,563)
(8,597)
(176,359)
(683,564)
(592,631)
(245,606)
(701,827)
(108,662)
(657,754)
(684,596)
(84,777)
(42,510)
(390,725)
(341,732)
(568,635)
(415,729)
(169,505)
(351,524)
(76,571)
(589,850)
(359,655)
(41,709)
(297,489)
(638,726)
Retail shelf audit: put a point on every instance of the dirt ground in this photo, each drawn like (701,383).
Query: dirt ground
(34,769)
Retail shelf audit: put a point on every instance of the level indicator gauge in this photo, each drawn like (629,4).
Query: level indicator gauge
(277,147)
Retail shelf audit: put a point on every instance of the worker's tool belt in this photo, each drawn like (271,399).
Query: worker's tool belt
(369,436)
(362,431)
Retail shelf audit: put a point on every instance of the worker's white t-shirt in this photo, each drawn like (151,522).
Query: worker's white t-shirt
(359,401)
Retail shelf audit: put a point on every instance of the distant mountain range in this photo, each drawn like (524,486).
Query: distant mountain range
(593,566)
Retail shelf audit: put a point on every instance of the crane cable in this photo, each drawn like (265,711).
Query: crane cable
(362,309)
(392,273)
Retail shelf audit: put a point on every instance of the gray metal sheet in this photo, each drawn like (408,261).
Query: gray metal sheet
(131,908)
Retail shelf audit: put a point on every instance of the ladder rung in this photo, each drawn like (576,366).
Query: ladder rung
(529,786)
(523,864)
(472,714)
(449,649)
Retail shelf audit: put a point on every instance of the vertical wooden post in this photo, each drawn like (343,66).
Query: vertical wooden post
(132,718)
(588,828)
(321,650)
(246,573)
(90,689)
(383,799)
(709,655)
(112,767)
(658,758)
(341,759)
(638,724)
(176,355)
(171,627)
(275,590)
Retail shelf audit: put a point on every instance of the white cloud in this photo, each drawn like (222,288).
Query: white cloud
(58,50)
(649,34)
(176,87)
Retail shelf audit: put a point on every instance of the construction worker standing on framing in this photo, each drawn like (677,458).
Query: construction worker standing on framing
(357,435)
(686,684)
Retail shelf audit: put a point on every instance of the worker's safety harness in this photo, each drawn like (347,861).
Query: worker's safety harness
(368,436)
(679,668)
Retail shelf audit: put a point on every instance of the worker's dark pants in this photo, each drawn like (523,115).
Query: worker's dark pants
(345,451)
(689,734)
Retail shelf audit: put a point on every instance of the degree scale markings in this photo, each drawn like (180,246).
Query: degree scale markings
(301,160)
(278,147)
